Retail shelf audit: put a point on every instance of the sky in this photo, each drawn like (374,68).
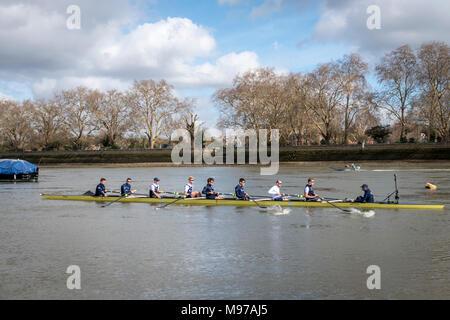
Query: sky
(197,46)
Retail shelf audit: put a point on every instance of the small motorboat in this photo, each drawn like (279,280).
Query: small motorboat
(347,167)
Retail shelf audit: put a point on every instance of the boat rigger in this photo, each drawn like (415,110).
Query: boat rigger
(246,203)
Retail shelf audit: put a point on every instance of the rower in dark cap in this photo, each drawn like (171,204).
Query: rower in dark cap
(367,197)
(154,189)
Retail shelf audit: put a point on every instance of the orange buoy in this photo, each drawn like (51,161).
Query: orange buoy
(430,186)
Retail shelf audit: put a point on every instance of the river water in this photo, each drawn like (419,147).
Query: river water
(132,251)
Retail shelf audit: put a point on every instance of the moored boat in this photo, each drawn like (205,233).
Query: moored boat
(18,171)
(247,203)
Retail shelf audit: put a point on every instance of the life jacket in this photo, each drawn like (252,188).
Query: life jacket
(239,191)
(207,190)
(188,189)
(368,196)
(100,190)
(311,191)
(155,188)
(125,189)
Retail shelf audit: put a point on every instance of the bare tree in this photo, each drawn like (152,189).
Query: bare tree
(367,119)
(294,118)
(323,100)
(79,118)
(350,73)
(15,123)
(112,114)
(253,102)
(48,121)
(332,103)
(190,123)
(434,69)
(398,76)
(189,120)
(154,105)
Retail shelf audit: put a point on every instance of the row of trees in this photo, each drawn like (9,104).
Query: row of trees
(332,104)
(335,102)
(82,117)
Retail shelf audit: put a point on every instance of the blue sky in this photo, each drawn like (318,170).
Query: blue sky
(276,37)
(282,40)
(198,46)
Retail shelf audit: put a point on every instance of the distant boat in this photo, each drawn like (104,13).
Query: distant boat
(351,167)
(18,171)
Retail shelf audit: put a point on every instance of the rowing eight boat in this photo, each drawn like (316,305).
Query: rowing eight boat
(244,203)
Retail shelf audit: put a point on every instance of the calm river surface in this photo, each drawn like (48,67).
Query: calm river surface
(132,251)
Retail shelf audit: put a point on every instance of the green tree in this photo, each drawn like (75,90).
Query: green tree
(379,133)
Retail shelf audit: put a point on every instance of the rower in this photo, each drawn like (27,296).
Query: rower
(154,189)
(310,195)
(188,189)
(208,190)
(125,189)
(239,190)
(100,190)
(275,191)
(367,197)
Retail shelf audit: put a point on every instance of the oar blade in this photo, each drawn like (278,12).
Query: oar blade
(167,204)
(110,203)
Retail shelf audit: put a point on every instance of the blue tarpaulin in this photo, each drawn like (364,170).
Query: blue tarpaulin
(11,167)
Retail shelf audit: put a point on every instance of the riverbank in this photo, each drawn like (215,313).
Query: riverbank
(345,154)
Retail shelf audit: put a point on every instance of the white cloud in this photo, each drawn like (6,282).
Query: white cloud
(155,47)
(345,21)
(5,97)
(46,87)
(218,74)
(402,22)
(37,48)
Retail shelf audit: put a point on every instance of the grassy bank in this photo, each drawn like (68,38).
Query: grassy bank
(370,153)
(314,153)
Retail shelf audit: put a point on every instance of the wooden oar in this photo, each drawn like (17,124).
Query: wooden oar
(110,203)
